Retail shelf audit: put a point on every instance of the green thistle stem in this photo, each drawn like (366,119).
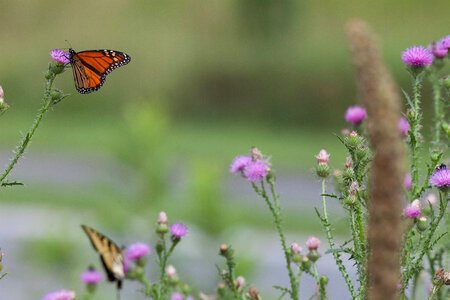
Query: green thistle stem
(46,104)
(438,108)
(275,210)
(337,257)
(414,137)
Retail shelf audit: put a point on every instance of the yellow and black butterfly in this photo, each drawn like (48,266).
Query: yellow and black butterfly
(111,255)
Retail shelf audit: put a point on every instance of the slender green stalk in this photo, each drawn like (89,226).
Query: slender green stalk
(336,255)
(438,107)
(277,219)
(275,210)
(230,265)
(46,104)
(162,267)
(414,136)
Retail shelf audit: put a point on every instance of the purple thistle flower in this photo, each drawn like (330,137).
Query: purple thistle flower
(437,49)
(91,276)
(190,298)
(417,56)
(239,163)
(60,56)
(178,230)
(445,42)
(441,177)
(403,126)
(176,296)
(412,212)
(256,170)
(355,114)
(407,182)
(136,251)
(60,295)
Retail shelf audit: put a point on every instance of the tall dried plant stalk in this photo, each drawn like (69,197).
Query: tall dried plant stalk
(382,101)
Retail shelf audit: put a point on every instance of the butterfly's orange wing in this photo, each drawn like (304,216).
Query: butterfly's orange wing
(91,67)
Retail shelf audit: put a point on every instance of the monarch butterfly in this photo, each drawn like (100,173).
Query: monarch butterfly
(90,67)
(111,255)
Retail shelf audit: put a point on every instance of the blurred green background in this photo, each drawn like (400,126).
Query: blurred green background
(207,80)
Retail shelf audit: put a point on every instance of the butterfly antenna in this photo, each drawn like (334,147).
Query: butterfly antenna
(70,46)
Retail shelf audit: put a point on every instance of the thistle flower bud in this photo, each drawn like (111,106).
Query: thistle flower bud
(349,162)
(323,157)
(323,170)
(361,152)
(162,218)
(171,272)
(422,224)
(221,289)
(323,280)
(348,174)
(253,293)
(159,247)
(306,263)
(353,189)
(3,105)
(353,139)
(435,156)
(239,282)
(446,81)
(296,249)
(312,243)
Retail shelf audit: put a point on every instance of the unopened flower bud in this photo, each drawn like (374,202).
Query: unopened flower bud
(253,293)
(446,128)
(221,289)
(223,248)
(2,95)
(435,156)
(239,282)
(323,170)
(171,272)
(410,115)
(323,280)
(159,247)
(296,249)
(306,263)
(353,139)
(361,152)
(354,188)
(56,95)
(349,162)
(422,224)
(162,218)
(323,157)
(312,243)
(186,289)
(313,255)
(348,174)
(350,200)
(345,131)
(446,81)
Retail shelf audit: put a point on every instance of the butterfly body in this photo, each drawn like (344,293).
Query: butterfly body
(111,255)
(90,67)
